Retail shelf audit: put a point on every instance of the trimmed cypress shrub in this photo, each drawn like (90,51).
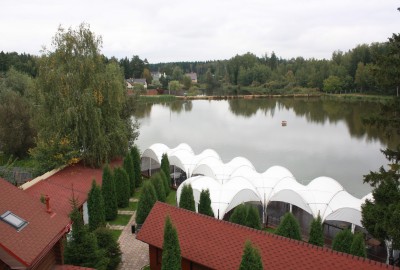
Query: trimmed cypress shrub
(316,232)
(205,203)
(289,227)
(253,218)
(171,254)
(137,166)
(158,184)
(110,245)
(251,259)
(122,187)
(342,241)
(165,167)
(146,202)
(96,207)
(357,247)
(128,166)
(83,249)
(187,200)
(239,215)
(109,194)
(166,182)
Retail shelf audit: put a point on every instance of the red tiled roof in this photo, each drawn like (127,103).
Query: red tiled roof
(33,241)
(219,244)
(76,179)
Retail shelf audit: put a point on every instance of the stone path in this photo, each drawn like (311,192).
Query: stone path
(135,254)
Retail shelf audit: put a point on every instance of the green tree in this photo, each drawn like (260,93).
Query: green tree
(205,203)
(171,254)
(137,67)
(187,82)
(174,86)
(187,200)
(239,215)
(136,165)
(251,259)
(388,64)
(16,130)
(130,170)
(165,181)
(147,200)
(253,218)
(110,245)
(357,247)
(316,232)
(109,194)
(82,249)
(177,74)
(122,187)
(333,83)
(158,184)
(96,207)
(342,241)
(289,227)
(166,170)
(147,75)
(82,97)
(381,216)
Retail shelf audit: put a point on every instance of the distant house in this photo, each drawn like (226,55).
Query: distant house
(156,76)
(193,76)
(31,233)
(209,243)
(130,83)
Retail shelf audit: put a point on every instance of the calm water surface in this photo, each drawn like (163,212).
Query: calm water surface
(322,137)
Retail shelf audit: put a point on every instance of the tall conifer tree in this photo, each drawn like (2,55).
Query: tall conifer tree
(96,207)
(171,254)
(109,194)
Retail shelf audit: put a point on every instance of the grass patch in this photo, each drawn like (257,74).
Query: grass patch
(138,191)
(270,230)
(121,220)
(171,199)
(131,207)
(116,234)
(147,267)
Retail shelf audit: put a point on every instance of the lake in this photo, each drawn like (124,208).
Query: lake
(322,137)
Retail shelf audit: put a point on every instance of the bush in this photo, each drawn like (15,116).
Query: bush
(289,227)
(316,232)
(342,241)
(246,215)
(251,259)
(129,168)
(122,187)
(205,203)
(166,181)
(357,247)
(158,184)
(171,255)
(109,194)
(136,166)
(110,245)
(187,201)
(96,207)
(239,215)
(166,170)
(147,200)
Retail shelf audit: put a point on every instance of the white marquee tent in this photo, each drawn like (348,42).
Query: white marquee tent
(237,181)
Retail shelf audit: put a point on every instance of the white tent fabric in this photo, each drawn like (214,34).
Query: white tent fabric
(237,181)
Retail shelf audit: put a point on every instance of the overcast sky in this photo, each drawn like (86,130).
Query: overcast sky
(178,30)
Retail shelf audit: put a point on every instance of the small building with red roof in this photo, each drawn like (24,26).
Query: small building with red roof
(31,234)
(209,243)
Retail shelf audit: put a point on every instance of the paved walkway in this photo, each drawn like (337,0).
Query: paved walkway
(135,254)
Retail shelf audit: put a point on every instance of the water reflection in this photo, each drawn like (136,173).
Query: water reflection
(322,138)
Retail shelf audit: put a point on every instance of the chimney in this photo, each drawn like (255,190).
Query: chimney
(47,199)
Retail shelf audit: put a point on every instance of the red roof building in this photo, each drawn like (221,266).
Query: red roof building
(209,243)
(30,234)
(75,180)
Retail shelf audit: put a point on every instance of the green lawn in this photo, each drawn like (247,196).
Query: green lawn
(147,267)
(132,206)
(270,230)
(171,198)
(120,220)
(116,233)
